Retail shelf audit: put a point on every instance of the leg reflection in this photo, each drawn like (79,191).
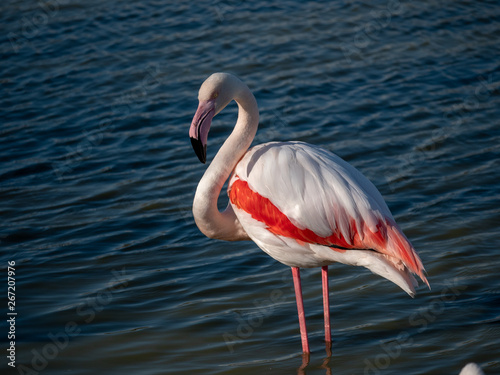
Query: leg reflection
(306,357)
(305,361)
(326,362)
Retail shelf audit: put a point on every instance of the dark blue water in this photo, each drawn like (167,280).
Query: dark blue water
(97,177)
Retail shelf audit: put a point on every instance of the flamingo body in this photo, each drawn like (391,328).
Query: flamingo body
(301,204)
(306,207)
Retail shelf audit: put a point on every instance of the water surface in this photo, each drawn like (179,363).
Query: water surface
(97,177)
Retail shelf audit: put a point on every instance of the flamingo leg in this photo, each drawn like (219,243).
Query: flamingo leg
(300,309)
(326,304)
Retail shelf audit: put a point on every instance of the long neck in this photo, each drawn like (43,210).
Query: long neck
(211,222)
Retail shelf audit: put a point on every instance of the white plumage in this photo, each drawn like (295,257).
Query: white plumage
(316,190)
(471,369)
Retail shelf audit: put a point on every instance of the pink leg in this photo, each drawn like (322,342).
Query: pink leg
(326,303)
(300,309)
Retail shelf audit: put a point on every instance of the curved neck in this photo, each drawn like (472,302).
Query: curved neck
(211,222)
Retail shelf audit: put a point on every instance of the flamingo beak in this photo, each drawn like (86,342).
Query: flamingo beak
(198,132)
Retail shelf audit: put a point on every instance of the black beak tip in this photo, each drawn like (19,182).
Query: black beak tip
(199,149)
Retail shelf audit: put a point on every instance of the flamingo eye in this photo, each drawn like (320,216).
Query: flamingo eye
(215,95)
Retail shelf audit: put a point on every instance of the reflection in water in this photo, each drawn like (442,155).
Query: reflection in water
(306,358)
(326,362)
(305,361)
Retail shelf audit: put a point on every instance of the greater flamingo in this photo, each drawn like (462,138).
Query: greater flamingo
(302,205)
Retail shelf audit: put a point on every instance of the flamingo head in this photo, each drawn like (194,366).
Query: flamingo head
(215,94)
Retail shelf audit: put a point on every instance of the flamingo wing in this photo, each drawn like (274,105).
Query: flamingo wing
(300,194)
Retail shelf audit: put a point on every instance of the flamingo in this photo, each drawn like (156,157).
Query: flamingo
(471,369)
(302,205)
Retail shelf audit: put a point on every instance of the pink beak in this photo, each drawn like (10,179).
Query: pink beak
(198,132)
